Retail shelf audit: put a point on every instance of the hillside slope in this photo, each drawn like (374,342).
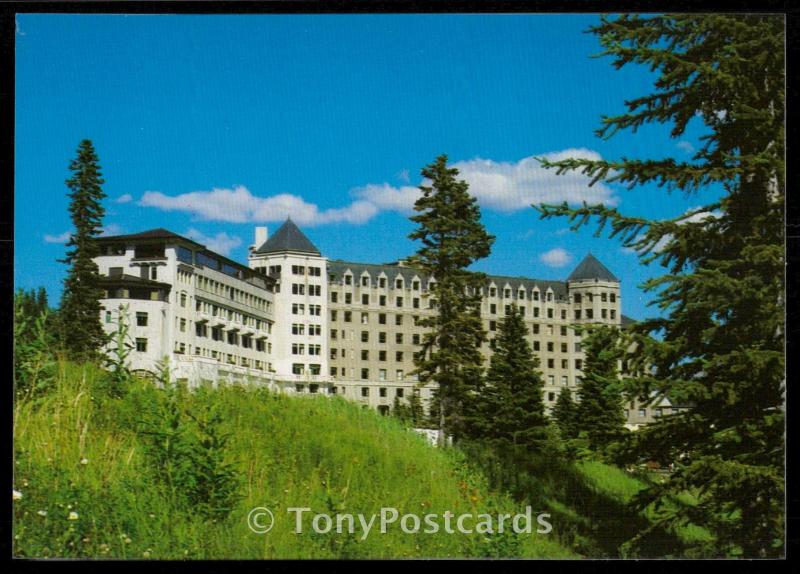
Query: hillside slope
(89,481)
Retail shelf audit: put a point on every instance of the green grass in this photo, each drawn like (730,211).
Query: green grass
(77,450)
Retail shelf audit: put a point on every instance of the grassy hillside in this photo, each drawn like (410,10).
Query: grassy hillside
(90,483)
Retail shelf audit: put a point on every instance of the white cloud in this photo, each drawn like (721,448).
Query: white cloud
(557,257)
(125,198)
(698,217)
(111,229)
(511,186)
(61,238)
(222,243)
(499,186)
(685,146)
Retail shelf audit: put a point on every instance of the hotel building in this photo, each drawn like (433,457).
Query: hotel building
(295,320)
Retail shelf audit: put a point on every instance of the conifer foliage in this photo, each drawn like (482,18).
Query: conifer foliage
(721,337)
(452,236)
(510,407)
(599,411)
(565,414)
(80,305)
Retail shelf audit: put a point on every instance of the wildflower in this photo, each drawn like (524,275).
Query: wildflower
(128,541)
(84,461)
(146,553)
(72,516)
(16,495)
(42,513)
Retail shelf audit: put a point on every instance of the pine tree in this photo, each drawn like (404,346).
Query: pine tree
(565,414)
(510,405)
(599,411)
(80,305)
(452,237)
(721,339)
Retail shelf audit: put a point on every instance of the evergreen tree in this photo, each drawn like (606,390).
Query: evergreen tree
(599,411)
(80,305)
(452,237)
(721,339)
(565,414)
(510,405)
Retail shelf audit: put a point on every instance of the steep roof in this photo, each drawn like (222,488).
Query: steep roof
(338,267)
(288,238)
(591,268)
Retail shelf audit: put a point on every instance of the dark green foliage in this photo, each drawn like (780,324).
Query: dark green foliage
(120,347)
(600,415)
(34,343)
(565,414)
(509,408)
(452,238)
(411,412)
(83,334)
(186,450)
(721,339)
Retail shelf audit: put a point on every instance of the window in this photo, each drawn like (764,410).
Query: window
(550,346)
(399,301)
(551,363)
(141,345)
(365,374)
(364,355)
(333,354)
(399,378)
(365,299)
(348,316)
(642,412)
(108,316)
(577,314)
(563,347)
(415,302)
(578,364)
(348,279)
(365,336)
(493,325)
(348,298)
(364,318)
(381,355)
(298,309)
(507,293)
(603,297)
(398,284)
(536,345)
(536,328)
(398,320)
(507,309)
(603,314)
(334,315)
(382,282)
(183,325)
(183,299)
(613,297)
(334,297)
(613,314)
(314,350)
(589,314)
(549,313)
(382,300)
(141,319)
(381,318)
(535,295)
(153,273)
(298,289)
(415,338)
(564,364)
(298,349)
(398,356)
(382,337)
(493,309)
(550,380)
(298,270)
(298,368)
(233,338)
(398,338)
(563,330)
(551,397)
(364,391)
(365,281)
(415,287)
(536,311)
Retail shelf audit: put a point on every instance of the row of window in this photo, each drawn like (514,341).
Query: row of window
(300,349)
(303,289)
(232,315)
(399,356)
(300,329)
(365,282)
(300,309)
(231,338)
(222,290)
(348,318)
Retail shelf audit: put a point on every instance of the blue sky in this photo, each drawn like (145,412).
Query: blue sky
(210,125)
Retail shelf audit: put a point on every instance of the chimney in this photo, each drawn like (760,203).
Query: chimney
(261,237)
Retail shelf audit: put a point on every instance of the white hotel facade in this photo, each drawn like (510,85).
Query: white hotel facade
(296,321)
